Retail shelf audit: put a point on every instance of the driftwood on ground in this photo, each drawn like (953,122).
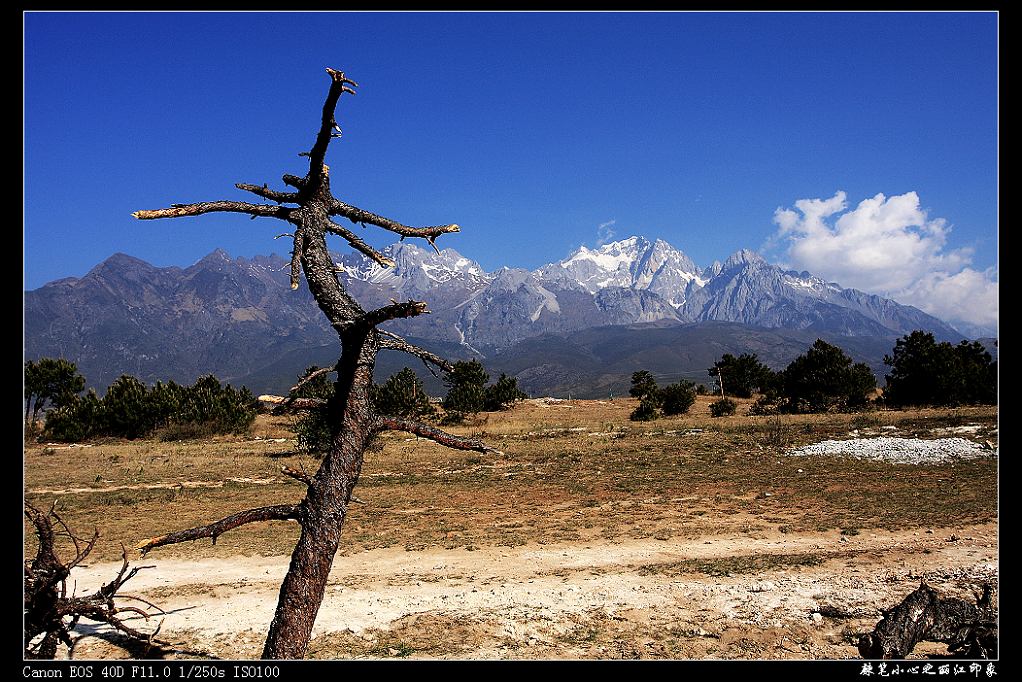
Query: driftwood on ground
(969,630)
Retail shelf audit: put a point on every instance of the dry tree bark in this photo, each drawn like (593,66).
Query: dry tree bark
(354,421)
(51,613)
(969,630)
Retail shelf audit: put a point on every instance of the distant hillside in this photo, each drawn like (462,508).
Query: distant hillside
(598,362)
(573,326)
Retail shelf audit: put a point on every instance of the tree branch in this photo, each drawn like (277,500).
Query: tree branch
(380,315)
(359,245)
(434,434)
(280,512)
(391,341)
(267,193)
(182,210)
(924,615)
(286,404)
(299,476)
(311,377)
(358,215)
(317,154)
(294,181)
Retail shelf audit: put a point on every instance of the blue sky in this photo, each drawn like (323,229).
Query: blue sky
(531,130)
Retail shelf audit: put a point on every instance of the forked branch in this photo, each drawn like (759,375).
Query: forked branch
(356,243)
(361,216)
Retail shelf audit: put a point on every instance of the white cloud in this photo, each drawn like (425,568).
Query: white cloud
(888,246)
(604,233)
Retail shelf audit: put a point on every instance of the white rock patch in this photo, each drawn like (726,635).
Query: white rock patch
(898,450)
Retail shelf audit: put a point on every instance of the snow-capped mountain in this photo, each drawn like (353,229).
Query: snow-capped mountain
(633,263)
(231,316)
(415,269)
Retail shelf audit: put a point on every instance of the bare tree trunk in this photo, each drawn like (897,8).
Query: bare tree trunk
(354,421)
(325,507)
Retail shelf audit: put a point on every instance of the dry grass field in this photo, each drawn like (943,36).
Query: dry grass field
(590,536)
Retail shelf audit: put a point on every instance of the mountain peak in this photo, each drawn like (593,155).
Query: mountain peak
(415,268)
(122,264)
(745,256)
(635,262)
(216,254)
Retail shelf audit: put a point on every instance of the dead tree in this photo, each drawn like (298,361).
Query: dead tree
(969,630)
(354,422)
(50,613)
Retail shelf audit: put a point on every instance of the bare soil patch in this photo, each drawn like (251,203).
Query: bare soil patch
(590,537)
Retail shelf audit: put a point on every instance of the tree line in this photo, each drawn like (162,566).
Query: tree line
(129,408)
(824,378)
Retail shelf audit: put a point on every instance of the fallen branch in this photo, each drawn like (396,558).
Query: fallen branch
(969,630)
(51,614)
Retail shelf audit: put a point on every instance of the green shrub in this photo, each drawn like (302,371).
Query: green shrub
(648,409)
(403,395)
(503,394)
(725,407)
(677,398)
(765,405)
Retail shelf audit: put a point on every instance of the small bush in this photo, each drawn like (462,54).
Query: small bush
(678,398)
(648,410)
(764,406)
(503,394)
(725,407)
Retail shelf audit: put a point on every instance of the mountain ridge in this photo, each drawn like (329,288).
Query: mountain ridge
(233,316)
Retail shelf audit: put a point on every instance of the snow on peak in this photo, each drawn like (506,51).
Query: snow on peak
(422,267)
(635,262)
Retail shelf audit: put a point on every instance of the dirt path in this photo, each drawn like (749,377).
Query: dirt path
(767,596)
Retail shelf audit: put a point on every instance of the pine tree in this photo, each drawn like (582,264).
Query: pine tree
(742,375)
(678,398)
(466,394)
(824,378)
(643,384)
(403,395)
(503,394)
